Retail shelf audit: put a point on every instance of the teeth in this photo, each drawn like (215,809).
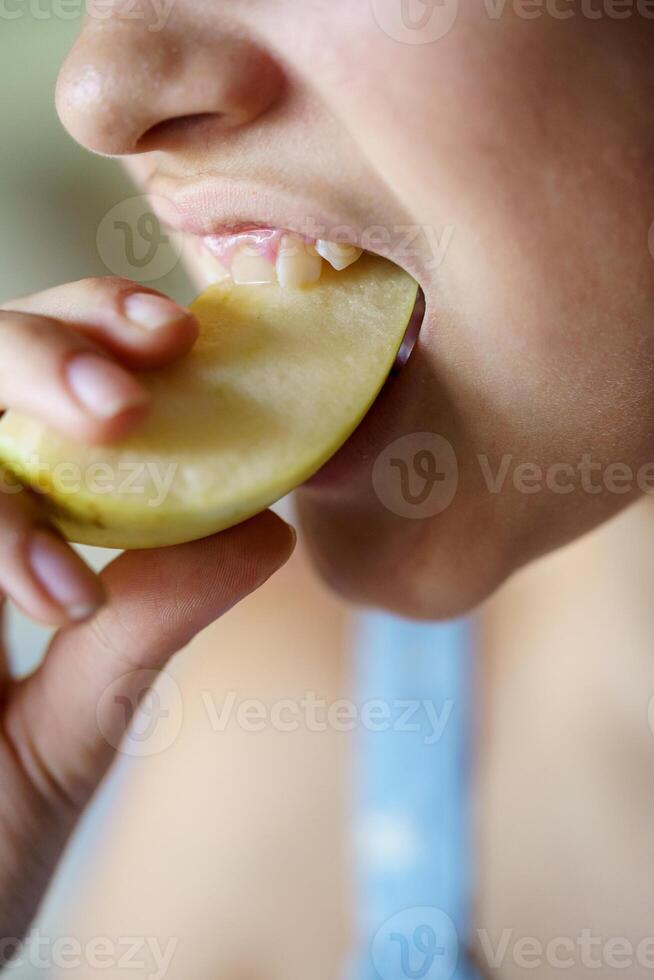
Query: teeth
(298,263)
(271,256)
(248,268)
(339,255)
(208,267)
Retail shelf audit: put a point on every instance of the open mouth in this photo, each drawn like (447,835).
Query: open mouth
(274,256)
(255,231)
(237,229)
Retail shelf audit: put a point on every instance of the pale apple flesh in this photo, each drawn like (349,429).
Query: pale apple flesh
(276,383)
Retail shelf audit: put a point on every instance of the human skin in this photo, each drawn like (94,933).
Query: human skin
(119,629)
(563,783)
(528,138)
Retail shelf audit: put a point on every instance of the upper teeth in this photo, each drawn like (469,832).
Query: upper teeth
(283,257)
(206,267)
(340,256)
(298,263)
(249,268)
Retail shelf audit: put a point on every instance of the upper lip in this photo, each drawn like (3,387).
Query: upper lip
(224,206)
(206,205)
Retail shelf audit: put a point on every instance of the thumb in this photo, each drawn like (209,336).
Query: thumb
(67,719)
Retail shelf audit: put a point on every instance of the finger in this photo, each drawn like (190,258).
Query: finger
(159,601)
(38,570)
(54,375)
(141,327)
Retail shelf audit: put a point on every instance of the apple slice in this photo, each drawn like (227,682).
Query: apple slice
(277,381)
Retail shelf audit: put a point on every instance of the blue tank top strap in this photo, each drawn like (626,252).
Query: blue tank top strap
(413,846)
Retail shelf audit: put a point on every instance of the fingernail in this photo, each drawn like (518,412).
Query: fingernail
(63,575)
(151,312)
(103,388)
(293,535)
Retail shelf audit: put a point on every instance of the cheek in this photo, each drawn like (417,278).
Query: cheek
(531,396)
(544,304)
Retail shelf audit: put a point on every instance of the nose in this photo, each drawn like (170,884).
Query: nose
(127,89)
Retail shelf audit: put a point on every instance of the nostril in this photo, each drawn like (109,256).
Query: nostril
(121,92)
(169,132)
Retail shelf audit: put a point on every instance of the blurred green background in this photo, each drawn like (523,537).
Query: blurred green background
(53,197)
(53,194)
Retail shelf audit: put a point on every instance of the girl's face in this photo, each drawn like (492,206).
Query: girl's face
(499,152)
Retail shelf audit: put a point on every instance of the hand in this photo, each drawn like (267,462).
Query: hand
(59,351)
